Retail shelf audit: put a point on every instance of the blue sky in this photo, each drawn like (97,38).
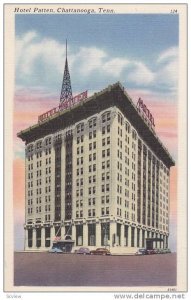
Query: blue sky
(139,50)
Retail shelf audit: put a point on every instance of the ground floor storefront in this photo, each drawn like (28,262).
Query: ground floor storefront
(118,237)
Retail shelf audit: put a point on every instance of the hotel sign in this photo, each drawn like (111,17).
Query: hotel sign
(63,106)
(141,107)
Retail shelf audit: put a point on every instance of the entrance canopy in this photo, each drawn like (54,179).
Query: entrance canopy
(149,242)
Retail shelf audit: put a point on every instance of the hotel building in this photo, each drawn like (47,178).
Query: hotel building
(96,174)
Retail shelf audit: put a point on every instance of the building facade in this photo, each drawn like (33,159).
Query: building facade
(98,174)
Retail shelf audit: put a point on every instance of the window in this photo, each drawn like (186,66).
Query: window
(108,163)
(90,124)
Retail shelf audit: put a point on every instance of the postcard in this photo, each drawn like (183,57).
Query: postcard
(95,148)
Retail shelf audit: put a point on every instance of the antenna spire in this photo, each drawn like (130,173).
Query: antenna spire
(66,90)
(66,48)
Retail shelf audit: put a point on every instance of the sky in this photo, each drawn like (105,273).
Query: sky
(139,50)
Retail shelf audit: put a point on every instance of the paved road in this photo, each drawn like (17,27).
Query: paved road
(50,269)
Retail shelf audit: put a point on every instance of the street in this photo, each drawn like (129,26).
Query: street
(50,269)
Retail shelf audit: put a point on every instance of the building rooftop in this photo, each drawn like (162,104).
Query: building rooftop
(113,95)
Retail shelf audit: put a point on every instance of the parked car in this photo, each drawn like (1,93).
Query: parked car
(83,250)
(149,252)
(100,251)
(55,250)
(160,251)
(141,251)
(166,250)
(156,251)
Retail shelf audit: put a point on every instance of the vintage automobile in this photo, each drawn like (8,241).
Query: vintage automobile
(151,251)
(141,251)
(100,251)
(55,250)
(83,250)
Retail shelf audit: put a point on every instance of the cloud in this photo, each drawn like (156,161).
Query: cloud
(89,59)
(30,48)
(115,66)
(40,61)
(169,54)
(167,63)
(168,75)
(141,74)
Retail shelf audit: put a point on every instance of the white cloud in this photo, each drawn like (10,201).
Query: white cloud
(168,68)
(21,44)
(115,66)
(47,56)
(89,59)
(170,73)
(30,48)
(169,54)
(141,74)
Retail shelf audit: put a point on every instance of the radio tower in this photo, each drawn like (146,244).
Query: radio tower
(66,91)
